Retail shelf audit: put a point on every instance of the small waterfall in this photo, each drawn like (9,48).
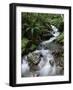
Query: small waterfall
(47,65)
(55,33)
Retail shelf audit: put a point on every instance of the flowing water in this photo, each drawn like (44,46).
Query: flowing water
(46,64)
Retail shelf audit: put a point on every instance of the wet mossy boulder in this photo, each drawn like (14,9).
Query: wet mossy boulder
(33,60)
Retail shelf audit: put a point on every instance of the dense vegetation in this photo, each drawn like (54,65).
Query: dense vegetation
(36,25)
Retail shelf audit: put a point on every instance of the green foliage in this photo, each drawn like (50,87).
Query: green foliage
(35,25)
(24,42)
(55,19)
(60,38)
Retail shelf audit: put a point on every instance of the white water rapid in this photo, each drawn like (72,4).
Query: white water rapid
(47,65)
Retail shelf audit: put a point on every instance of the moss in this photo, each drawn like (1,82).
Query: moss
(24,42)
(60,39)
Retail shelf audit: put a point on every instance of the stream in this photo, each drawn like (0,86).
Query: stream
(42,62)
